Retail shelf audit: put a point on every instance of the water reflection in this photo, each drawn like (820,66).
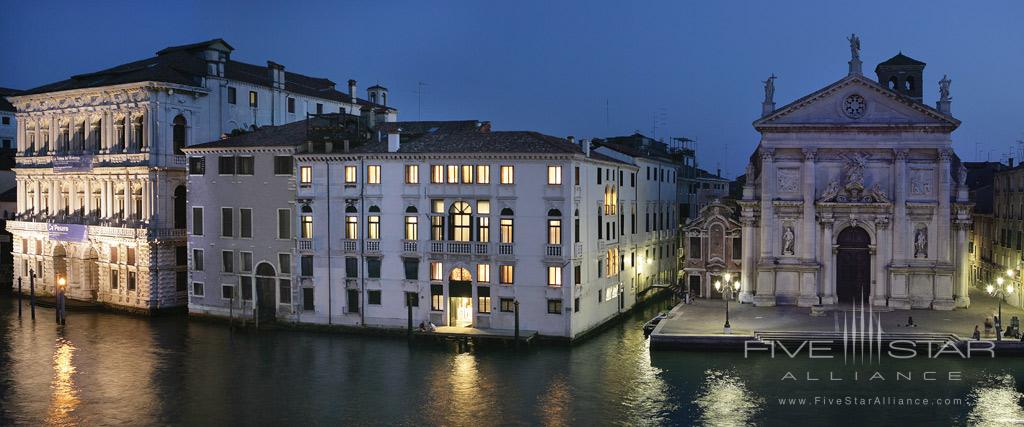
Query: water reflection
(554,402)
(65,397)
(996,402)
(725,400)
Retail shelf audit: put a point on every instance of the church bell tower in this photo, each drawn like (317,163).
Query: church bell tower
(902,74)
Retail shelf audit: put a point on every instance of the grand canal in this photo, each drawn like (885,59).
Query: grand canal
(109,369)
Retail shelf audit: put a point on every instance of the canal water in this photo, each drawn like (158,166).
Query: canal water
(110,369)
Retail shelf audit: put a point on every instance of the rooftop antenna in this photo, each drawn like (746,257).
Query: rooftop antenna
(658,117)
(977,151)
(419,99)
(607,117)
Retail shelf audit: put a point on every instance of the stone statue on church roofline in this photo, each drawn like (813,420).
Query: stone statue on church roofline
(944,88)
(854,46)
(769,89)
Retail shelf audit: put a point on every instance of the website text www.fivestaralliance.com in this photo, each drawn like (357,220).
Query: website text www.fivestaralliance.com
(869,401)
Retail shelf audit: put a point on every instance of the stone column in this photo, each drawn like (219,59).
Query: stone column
(962,294)
(20,138)
(766,278)
(749,257)
(129,132)
(828,285)
(882,256)
(807,239)
(149,129)
(943,217)
(899,229)
(767,197)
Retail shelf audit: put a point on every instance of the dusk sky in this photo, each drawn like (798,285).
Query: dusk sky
(665,69)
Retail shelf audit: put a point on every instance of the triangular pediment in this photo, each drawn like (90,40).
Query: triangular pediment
(856,102)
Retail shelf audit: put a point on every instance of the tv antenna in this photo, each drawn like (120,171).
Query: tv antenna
(419,99)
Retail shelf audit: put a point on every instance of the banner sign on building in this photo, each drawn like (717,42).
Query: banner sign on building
(66,164)
(68,232)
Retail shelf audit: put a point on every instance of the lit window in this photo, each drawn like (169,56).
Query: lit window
(554,232)
(483,229)
(453,174)
(350,174)
(554,175)
(483,207)
(483,174)
(460,221)
(554,306)
(437,297)
(436,271)
(254,100)
(373,174)
(373,227)
(554,276)
(412,174)
(506,230)
(506,273)
(436,174)
(411,228)
(483,273)
(467,174)
(508,175)
(306,175)
(437,206)
(307,227)
(351,227)
(483,299)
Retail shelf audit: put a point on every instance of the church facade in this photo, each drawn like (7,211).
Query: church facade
(857,196)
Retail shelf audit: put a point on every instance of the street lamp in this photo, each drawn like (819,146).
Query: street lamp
(1000,292)
(727,291)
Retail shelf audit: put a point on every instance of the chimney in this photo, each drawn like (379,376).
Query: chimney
(571,139)
(393,140)
(586,146)
(352,90)
(276,74)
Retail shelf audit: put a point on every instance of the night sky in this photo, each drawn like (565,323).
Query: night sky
(587,69)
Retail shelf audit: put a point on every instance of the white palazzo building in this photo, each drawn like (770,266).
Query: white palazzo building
(855,192)
(466,224)
(101,175)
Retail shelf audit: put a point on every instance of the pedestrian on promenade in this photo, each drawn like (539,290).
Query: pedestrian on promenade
(988,326)
(977,333)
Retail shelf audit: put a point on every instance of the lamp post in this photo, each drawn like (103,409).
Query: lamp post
(727,291)
(61,286)
(1000,291)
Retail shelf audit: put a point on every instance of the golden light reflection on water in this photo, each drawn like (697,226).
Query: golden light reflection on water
(460,396)
(554,402)
(65,397)
(996,402)
(725,400)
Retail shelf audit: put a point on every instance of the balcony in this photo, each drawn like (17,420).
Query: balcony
(577,250)
(373,246)
(506,249)
(481,248)
(305,244)
(553,251)
(350,245)
(167,233)
(410,246)
(576,192)
(463,248)
(179,160)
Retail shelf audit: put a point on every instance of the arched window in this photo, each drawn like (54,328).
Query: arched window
(460,275)
(893,83)
(119,135)
(179,134)
(908,84)
(137,203)
(95,136)
(411,209)
(79,136)
(137,139)
(460,220)
(505,226)
(351,209)
(554,212)
(306,229)
(373,224)
(576,226)
(507,212)
(179,206)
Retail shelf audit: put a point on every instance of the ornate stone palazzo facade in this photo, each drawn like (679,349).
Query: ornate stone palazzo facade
(857,196)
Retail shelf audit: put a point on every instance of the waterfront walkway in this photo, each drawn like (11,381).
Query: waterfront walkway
(700,324)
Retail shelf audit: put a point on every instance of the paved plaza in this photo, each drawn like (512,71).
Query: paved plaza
(706,317)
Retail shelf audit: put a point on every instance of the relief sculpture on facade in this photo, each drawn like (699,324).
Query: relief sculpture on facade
(921,242)
(788,241)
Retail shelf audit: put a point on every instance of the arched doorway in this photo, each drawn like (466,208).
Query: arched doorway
(853,265)
(460,298)
(60,264)
(179,206)
(90,273)
(266,291)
